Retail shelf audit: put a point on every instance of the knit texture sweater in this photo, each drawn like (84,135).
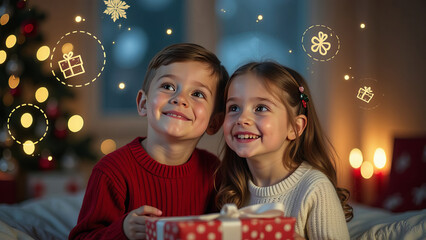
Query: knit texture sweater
(129,178)
(310,197)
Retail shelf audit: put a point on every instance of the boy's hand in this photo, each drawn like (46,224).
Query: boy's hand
(134,223)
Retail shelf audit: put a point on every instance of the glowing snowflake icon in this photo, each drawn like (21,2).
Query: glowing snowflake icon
(116,9)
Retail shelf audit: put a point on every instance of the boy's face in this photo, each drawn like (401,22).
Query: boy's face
(180,100)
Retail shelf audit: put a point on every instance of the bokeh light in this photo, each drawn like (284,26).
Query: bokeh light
(3,56)
(78,19)
(28,147)
(10,41)
(13,81)
(379,158)
(108,146)
(43,53)
(355,158)
(346,77)
(367,170)
(4,19)
(41,94)
(26,120)
(67,47)
(130,48)
(122,85)
(75,123)
(169,31)
(260,17)
(362,25)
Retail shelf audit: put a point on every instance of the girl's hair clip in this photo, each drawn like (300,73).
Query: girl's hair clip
(303,97)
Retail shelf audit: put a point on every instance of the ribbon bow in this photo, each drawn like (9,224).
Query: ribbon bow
(68,56)
(368,89)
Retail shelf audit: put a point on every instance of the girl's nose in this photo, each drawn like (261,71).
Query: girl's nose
(244,119)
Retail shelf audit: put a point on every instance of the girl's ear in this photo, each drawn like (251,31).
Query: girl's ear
(141,103)
(215,123)
(300,122)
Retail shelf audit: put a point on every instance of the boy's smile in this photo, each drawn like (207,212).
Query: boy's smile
(180,100)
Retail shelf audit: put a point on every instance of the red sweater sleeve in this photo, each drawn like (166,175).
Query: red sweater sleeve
(102,214)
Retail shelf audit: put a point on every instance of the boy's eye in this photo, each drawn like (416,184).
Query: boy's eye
(199,94)
(168,86)
(261,108)
(233,108)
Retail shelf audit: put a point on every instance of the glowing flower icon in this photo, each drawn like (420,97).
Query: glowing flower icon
(318,43)
(116,9)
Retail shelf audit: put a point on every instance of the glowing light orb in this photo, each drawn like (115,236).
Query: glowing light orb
(169,31)
(3,56)
(78,19)
(260,17)
(26,120)
(75,123)
(43,53)
(108,146)
(4,19)
(121,85)
(346,77)
(10,41)
(355,158)
(362,25)
(28,147)
(379,158)
(367,170)
(67,47)
(13,81)
(41,94)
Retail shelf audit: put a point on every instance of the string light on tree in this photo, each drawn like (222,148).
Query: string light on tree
(10,41)
(4,19)
(13,81)
(3,56)
(26,120)
(43,53)
(28,147)
(75,123)
(41,94)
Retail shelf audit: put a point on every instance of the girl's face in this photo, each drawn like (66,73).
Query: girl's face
(256,122)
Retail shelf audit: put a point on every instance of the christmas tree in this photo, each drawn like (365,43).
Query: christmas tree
(37,132)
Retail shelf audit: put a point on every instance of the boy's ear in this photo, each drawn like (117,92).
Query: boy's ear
(215,123)
(300,122)
(141,103)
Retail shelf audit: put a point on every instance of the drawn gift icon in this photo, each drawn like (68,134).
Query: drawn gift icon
(71,66)
(365,94)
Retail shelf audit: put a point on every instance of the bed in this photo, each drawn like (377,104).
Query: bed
(53,218)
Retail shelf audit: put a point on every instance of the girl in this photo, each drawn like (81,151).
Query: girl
(277,152)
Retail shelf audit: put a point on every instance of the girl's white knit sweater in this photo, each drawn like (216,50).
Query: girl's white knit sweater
(310,197)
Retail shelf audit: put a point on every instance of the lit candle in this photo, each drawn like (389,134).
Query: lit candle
(379,163)
(355,159)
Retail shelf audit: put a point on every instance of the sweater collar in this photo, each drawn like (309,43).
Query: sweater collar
(281,187)
(159,169)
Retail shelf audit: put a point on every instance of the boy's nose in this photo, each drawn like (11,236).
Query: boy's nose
(179,100)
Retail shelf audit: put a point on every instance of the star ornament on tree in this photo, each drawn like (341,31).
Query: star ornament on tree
(116,8)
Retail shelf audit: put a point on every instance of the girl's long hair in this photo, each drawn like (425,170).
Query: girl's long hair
(312,145)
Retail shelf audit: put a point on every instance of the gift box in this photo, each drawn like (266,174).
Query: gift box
(262,221)
(365,94)
(71,66)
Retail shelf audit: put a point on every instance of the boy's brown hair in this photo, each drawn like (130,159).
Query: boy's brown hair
(183,52)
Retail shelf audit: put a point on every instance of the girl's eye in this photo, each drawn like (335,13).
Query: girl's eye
(261,108)
(233,108)
(199,94)
(168,86)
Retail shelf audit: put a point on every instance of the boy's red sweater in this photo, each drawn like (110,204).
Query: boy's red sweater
(129,178)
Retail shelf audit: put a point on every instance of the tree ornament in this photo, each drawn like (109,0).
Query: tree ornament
(29,28)
(21,4)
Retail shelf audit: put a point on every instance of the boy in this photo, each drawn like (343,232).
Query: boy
(162,174)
